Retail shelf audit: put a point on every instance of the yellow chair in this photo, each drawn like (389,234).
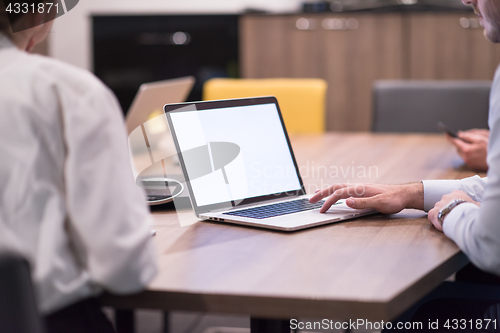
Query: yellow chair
(302,101)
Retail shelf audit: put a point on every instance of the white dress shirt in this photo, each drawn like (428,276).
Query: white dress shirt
(476,230)
(68,200)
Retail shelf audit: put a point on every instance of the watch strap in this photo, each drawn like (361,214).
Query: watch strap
(446,209)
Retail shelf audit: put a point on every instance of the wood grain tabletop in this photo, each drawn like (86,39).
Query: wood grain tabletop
(372,267)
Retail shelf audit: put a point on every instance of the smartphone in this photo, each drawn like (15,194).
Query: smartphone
(448,131)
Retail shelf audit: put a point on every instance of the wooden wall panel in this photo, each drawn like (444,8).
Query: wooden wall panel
(442,49)
(263,46)
(354,59)
(304,53)
(430,46)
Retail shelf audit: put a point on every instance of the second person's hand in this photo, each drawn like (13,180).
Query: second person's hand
(474,149)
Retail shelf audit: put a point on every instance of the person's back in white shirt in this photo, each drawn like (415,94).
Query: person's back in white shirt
(68,200)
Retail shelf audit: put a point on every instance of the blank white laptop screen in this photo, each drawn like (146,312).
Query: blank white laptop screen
(237,153)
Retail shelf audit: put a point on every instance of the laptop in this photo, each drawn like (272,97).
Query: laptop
(240,168)
(151,97)
(150,144)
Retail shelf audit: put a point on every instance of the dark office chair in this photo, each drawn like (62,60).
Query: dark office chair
(18,313)
(417,106)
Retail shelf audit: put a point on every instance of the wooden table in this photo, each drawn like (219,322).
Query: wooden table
(373,267)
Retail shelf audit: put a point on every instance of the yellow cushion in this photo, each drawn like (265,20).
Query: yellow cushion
(302,101)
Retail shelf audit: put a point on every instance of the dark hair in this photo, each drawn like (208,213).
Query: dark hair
(6,19)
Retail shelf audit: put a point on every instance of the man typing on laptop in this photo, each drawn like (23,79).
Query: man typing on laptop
(465,210)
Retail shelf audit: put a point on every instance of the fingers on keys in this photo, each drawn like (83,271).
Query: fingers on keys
(339,192)
(326,192)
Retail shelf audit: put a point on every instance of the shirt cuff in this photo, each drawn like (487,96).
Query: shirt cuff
(456,215)
(435,189)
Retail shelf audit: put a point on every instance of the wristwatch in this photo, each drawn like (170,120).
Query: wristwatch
(446,209)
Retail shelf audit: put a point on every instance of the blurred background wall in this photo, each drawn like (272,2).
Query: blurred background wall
(351,49)
(70,40)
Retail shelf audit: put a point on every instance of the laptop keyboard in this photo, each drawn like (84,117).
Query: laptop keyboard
(278,209)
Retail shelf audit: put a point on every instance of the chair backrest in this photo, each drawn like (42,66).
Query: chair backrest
(302,101)
(417,106)
(18,312)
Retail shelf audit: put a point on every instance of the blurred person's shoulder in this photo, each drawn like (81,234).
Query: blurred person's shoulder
(64,76)
(40,87)
(39,75)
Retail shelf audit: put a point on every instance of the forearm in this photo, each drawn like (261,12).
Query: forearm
(414,195)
